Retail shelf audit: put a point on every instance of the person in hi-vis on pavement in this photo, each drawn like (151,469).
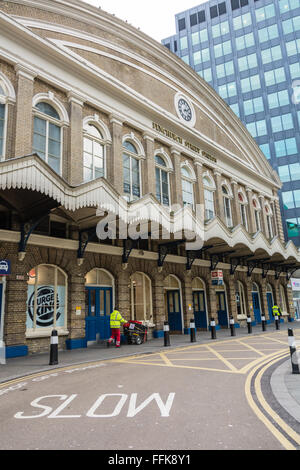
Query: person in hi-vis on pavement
(115,325)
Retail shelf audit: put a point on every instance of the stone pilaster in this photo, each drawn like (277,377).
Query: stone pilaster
(278,219)
(250,212)
(24,131)
(219,196)
(149,166)
(116,169)
(159,310)
(76,305)
(176,189)
(188,310)
(236,213)
(123,294)
(75,155)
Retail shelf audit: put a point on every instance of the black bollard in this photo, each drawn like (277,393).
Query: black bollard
(54,349)
(249,323)
(293,351)
(263,323)
(193,330)
(232,327)
(213,329)
(166,334)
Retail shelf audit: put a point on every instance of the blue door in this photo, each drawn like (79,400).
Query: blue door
(1,287)
(200,310)
(222,310)
(270,306)
(256,307)
(174,310)
(99,306)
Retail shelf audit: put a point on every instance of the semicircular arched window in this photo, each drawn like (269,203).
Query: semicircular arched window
(187,187)
(162,181)
(227,207)
(47,135)
(209,199)
(93,153)
(131,172)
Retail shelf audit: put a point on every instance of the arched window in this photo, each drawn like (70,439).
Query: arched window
(47,135)
(99,277)
(171,282)
(257,211)
(162,180)
(209,199)
(227,207)
(240,298)
(131,172)
(141,298)
(187,182)
(46,299)
(93,153)
(198,284)
(243,210)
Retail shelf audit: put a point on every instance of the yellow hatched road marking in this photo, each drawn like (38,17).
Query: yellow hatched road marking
(251,347)
(166,359)
(219,356)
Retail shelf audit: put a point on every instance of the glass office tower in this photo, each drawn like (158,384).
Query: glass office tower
(249,51)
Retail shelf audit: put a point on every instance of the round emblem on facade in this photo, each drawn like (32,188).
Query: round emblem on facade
(185,110)
(44,306)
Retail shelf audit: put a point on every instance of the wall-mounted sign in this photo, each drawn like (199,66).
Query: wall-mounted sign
(217,278)
(5,268)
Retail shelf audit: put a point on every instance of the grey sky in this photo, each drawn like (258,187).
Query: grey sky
(155,18)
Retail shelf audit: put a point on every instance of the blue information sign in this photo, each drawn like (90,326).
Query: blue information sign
(5,268)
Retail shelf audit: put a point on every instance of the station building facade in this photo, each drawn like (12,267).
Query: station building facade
(100,123)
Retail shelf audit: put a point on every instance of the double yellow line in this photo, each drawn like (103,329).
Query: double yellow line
(269,414)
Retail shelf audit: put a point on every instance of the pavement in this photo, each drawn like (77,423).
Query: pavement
(284,384)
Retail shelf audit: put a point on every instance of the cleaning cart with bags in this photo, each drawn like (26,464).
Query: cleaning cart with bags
(135,332)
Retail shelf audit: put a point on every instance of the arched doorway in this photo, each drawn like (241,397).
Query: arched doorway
(199,301)
(222,309)
(141,298)
(270,301)
(99,303)
(172,287)
(256,302)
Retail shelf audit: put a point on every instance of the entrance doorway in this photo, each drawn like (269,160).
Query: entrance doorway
(199,302)
(1,311)
(256,303)
(99,304)
(270,302)
(173,303)
(222,309)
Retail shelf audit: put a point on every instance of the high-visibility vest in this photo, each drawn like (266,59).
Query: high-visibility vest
(276,312)
(116,319)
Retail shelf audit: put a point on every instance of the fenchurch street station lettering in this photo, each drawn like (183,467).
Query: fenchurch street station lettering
(181,141)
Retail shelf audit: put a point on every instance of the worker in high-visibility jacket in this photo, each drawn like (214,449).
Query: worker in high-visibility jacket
(276,312)
(115,325)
